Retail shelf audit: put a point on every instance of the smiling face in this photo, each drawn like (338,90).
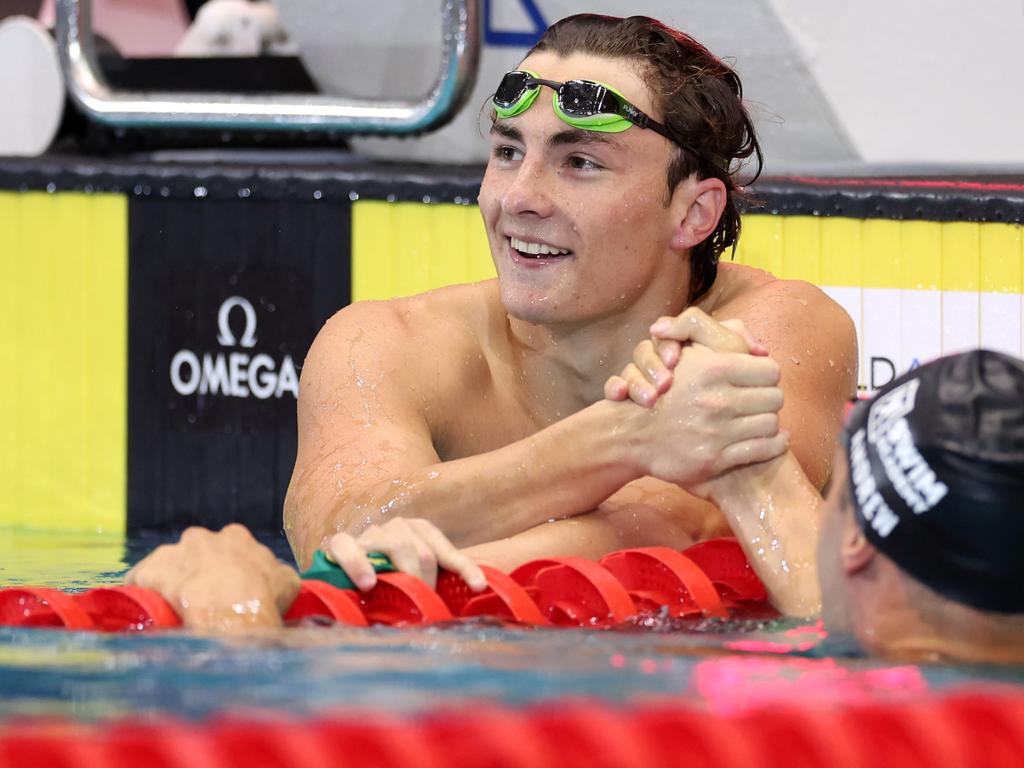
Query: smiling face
(576,220)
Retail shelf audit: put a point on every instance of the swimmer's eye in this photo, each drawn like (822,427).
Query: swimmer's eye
(578,163)
(506,154)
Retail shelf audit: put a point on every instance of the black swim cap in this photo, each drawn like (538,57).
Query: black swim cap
(937,476)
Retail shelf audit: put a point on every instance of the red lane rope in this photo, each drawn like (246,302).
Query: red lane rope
(961,729)
(710,579)
(659,576)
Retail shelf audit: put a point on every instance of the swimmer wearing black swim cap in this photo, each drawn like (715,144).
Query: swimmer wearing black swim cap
(920,552)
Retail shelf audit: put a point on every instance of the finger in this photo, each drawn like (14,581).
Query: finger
(751,427)
(196,535)
(139,574)
(754,346)
(616,388)
(754,451)
(641,391)
(237,531)
(698,327)
(750,400)
(451,559)
(746,371)
(668,351)
(351,558)
(649,362)
(400,542)
(427,561)
(287,587)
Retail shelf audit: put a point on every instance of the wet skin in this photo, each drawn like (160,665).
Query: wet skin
(470,424)
(479,407)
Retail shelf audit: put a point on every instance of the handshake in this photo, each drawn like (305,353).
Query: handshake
(699,400)
(711,396)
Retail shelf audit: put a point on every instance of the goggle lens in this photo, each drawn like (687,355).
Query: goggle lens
(579,98)
(511,89)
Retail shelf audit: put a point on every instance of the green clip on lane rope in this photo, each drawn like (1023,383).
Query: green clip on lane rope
(325,569)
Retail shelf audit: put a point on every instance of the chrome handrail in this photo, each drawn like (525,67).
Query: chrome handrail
(460,55)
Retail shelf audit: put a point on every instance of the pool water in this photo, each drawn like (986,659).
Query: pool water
(314,669)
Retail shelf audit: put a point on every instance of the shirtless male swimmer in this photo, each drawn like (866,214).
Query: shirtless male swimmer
(469,424)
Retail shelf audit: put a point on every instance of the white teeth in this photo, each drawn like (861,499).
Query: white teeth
(537,249)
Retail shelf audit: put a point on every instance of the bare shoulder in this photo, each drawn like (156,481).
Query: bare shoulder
(772,308)
(815,343)
(394,342)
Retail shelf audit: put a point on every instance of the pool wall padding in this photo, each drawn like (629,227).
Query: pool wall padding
(154,316)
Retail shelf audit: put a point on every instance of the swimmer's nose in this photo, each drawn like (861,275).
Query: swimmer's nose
(529,193)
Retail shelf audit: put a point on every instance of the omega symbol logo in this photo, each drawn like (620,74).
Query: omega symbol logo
(225,338)
(233,374)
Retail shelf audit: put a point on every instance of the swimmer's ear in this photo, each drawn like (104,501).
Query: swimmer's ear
(855,551)
(696,206)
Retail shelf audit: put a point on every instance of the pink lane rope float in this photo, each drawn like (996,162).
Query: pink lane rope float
(711,579)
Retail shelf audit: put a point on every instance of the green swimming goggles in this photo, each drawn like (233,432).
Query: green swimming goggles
(582,104)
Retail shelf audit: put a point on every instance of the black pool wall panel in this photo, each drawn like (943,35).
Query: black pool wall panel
(225,297)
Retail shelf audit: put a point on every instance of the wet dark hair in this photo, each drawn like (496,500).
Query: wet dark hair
(700,101)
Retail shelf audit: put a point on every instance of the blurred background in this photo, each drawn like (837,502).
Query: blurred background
(188,190)
(836,86)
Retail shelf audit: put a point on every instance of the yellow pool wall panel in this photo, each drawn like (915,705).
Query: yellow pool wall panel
(915,290)
(401,249)
(63,347)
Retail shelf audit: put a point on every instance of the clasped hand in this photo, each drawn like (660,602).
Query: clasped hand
(712,399)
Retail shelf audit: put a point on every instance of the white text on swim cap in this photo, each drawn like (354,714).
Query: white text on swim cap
(870,502)
(890,434)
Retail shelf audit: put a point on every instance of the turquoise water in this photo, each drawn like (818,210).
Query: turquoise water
(313,669)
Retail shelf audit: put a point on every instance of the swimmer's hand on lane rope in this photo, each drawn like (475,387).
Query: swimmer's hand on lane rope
(324,568)
(410,545)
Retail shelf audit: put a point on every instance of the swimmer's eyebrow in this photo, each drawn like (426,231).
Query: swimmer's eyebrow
(509,132)
(580,136)
(562,138)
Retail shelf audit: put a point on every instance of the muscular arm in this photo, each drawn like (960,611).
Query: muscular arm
(774,512)
(366,450)
(367,453)
(815,343)
(369,415)
(647,512)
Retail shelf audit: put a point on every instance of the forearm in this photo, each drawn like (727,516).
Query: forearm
(587,536)
(563,470)
(773,510)
(645,513)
